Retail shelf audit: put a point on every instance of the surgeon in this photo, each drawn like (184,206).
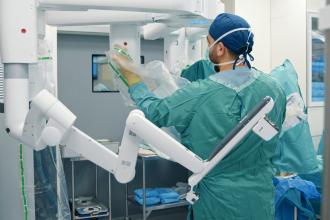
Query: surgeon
(201,69)
(240,187)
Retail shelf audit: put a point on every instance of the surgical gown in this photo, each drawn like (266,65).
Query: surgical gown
(239,187)
(201,69)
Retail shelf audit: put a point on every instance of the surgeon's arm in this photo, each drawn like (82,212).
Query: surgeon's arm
(199,70)
(193,72)
(175,110)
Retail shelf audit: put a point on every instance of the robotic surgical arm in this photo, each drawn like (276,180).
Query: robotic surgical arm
(58,129)
(45,121)
(255,120)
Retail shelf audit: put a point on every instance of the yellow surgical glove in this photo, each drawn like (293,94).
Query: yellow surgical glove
(131,77)
(125,66)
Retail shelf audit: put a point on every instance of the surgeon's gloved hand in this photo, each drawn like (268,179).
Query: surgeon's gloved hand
(125,64)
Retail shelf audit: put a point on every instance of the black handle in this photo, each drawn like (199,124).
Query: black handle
(239,126)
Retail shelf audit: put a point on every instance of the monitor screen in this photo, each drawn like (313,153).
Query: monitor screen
(101,74)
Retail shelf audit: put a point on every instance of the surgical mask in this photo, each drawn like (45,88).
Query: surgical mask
(241,58)
(215,66)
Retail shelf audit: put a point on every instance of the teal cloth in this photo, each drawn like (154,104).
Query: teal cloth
(204,112)
(287,77)
(149,201)
(164,190)
(202,69)
(316,177)
(169,200)
(150,192)
(157,195)
(169,195)
(295,192)
(321,146)
(295,152)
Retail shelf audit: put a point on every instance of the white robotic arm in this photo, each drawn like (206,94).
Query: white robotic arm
(255,121)
(59,130)
(50,123)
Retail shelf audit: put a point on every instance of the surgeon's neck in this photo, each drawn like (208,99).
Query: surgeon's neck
(220,69)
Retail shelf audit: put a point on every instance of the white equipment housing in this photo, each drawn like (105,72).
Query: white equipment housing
(47,122)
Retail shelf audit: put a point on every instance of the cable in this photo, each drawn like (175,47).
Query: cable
(24,200)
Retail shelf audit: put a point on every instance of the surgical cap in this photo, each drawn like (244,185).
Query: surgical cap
(238,42)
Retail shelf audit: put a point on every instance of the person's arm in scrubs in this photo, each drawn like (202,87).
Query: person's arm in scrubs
(177,108)
(201,69)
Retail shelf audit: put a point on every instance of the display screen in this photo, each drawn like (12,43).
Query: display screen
(318,63)
(101,74)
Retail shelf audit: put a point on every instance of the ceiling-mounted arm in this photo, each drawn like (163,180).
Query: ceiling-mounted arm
(176,13)
(169,6)
(99,17)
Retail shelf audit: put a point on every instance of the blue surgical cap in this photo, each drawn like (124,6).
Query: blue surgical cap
(238,42)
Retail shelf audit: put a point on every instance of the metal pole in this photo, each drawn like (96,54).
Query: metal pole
(58,180)
(72,187)
(144,189)
(110,201)
(96,182)
(126,202)
(326,154)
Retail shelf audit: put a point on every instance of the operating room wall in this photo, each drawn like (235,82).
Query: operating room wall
(315,5)
(288,36)
(289,40)
(103,115)
(257,12)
